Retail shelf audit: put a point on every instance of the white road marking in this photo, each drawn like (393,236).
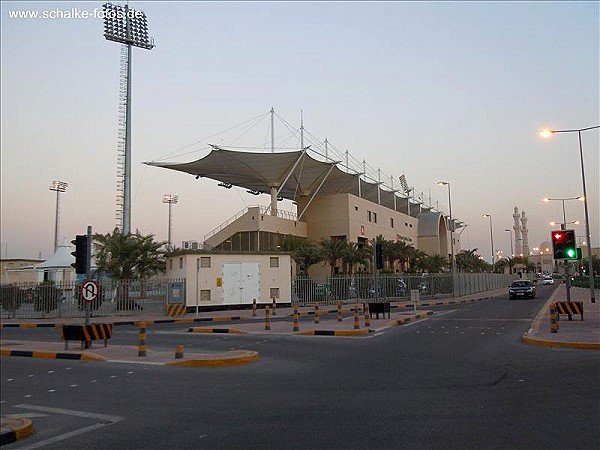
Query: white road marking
(71,412)
(62,437)
(29,415)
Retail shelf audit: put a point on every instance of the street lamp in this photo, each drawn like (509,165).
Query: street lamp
(564,224)
(512,252)
(171,199)
(451,229)
(548,133)
(563,200)
(58,186)
(491,237)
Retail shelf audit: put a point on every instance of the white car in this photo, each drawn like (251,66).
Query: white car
(547,280)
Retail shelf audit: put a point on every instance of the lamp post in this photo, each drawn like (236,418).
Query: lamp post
(512,252)
(563,200)
(451,229)
(549,133)
(171,199)
(491,237)
(58,186)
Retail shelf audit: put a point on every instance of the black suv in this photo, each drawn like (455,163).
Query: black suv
(521,289)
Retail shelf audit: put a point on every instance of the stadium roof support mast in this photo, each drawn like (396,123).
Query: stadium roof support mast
(129,27)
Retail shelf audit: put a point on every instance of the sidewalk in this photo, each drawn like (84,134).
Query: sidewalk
(574,334)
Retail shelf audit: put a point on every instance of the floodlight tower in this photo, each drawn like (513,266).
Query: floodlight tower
(127,26)
(58,186)
(171,199)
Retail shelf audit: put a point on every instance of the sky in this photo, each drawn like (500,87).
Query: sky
(453,91)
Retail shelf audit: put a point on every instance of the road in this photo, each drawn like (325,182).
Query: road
(460,379)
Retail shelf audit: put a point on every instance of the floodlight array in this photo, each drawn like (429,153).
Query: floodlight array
(171,198)
(59,186)
(127,26)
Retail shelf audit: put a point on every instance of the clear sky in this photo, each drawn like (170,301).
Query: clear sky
(434,90)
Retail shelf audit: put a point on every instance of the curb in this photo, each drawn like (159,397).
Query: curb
(561,344)
(363,332)
(14,429)
(244,357)
(52,355)
(216,330)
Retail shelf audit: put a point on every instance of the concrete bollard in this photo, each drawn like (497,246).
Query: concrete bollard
(368,316)
(179,352)
(142,339)
(356,322)
(339,316)
(553,318)
(296,326)
(253,307)
(317,319)
(274,307)
(267,318)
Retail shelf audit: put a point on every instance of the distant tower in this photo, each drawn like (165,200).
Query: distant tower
(525,232)
(517,229)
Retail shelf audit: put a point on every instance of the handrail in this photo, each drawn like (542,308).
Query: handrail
(263,211)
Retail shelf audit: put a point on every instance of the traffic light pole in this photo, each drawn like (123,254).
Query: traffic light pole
(566,262)
(88,273)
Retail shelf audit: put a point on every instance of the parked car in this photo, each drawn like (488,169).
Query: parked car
(548,280)
(521,289)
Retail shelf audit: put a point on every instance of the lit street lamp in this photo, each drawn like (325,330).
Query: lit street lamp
(58,186)
(491,237)
(549,133)
(563,200)
(171,199)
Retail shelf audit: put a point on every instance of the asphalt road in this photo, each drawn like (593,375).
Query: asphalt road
(461,379)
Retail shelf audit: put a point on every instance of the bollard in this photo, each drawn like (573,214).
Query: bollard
(274,307)
(317,319)
(253,307)
(142,337)
(368,316)
(267,318)
(296,326)
(339,317)
(356,322)
(179,352)
(553,318)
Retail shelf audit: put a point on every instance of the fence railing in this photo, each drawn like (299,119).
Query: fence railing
(58,300)
(394,287)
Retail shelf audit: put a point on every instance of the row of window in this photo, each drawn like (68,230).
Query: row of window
(372,217)
(205,262)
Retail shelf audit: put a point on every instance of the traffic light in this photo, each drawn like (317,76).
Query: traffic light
(379,256)
(80,254)
(563,244)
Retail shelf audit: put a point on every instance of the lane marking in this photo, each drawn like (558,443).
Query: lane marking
(62,437)
(71,412)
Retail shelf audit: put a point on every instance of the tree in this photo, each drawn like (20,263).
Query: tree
(470,261)
(304,253)
(433,263)
(127,256)
(332,250)
(355,254)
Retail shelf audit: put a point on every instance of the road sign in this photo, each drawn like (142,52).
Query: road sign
(89,291)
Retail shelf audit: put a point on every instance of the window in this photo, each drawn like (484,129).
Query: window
(274,293)
(274,261)
(391,222)
(181,263)
(374,217)
(369,216)
(170,264)
(205,262)
(205,295)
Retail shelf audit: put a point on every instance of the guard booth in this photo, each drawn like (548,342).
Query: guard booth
(176,299)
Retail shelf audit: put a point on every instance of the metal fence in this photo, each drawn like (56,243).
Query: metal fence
(49,300)
(396,287)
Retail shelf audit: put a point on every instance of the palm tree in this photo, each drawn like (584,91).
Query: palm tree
(355,254)
(125,256)
(304,253)
(332,250)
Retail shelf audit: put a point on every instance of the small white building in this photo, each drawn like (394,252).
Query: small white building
(232,279)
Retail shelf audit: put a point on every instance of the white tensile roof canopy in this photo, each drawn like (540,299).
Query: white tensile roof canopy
(293,173)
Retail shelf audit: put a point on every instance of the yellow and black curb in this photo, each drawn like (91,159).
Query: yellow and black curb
(363,332)
(52,355)
(13,429)
(561,344)
(412,318)
(31,325)
(216,330)
(234,358)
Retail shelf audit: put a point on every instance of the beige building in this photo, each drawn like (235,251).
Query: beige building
(232,279)
(19,271)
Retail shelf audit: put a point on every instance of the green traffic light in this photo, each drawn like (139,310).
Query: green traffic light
(571,253)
